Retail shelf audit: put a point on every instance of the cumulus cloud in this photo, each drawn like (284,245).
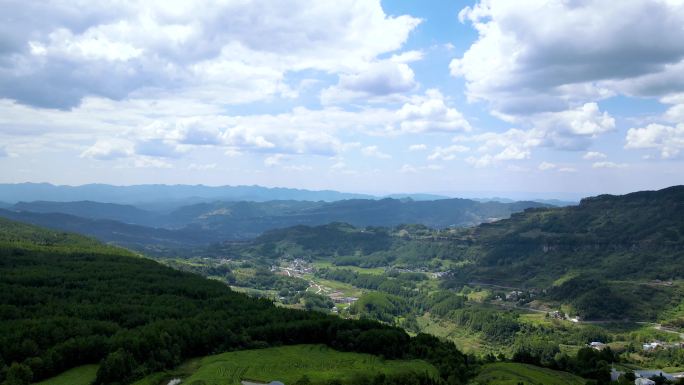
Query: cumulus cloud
(586,120)
(447,153)
(430,113)
(573,129)
(417,147)
(669,140)
(378,80)
(55,54)
(594,155)
(407,57)
(537,56)
(108,150)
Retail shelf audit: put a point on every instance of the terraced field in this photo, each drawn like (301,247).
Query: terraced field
(287,364)
(506,373)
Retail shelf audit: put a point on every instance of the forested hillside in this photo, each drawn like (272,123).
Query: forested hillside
(66,300)
(634,236)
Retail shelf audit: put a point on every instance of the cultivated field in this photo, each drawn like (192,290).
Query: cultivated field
(513,374)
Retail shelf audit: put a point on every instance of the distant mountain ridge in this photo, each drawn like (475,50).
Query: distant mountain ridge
(149,193)
(162,197)
(218,221)
(93,210)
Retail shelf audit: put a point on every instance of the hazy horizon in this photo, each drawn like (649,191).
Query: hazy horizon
(568,196)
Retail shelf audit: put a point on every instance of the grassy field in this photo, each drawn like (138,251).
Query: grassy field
(82,375)
(467,342)
(286,364)
(505,373)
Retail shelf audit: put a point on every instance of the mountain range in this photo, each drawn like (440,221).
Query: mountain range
(200,224)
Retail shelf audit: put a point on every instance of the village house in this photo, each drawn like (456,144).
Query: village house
(650,346)
(597,345)
(644,381)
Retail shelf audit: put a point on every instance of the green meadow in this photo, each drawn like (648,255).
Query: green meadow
(286,364)
(82,375)
(508,373)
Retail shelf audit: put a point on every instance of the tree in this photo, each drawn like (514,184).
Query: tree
(18,374)
(116,367)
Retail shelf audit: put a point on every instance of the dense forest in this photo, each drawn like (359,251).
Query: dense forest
(66,300)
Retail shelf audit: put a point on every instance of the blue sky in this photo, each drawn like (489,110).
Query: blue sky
(543,98)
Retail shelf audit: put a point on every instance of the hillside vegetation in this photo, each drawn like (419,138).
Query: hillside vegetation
(67,301)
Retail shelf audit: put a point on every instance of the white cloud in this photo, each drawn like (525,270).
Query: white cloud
(380,79)
(429,113)
(537,56)
(447,153)
(567,169)
(480,162)
(586,120)
(675,113)
(608,165)
(669,140)
(374,151)
(407,57)
(108,150)
(417,147)
(512,153)
(566,130)
(274,160)
(593,155)
(545,166)
(55,54)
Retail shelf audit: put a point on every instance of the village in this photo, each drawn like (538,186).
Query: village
(300,268)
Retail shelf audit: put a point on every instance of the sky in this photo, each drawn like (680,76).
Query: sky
(552,97)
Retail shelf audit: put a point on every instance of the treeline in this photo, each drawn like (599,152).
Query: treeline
(587,363)
(61,308)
